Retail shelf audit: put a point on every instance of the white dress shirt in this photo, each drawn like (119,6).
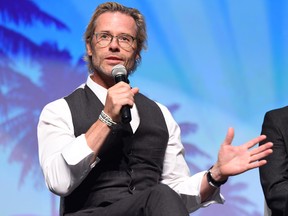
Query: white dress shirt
(66,159)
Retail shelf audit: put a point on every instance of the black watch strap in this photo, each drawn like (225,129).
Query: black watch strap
(212,181)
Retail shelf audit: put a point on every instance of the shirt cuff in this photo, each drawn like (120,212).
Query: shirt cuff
(190,193)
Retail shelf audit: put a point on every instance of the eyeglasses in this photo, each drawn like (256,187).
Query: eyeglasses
(125,41)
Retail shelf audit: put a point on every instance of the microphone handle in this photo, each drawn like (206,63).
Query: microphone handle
(125,110)
(125,114)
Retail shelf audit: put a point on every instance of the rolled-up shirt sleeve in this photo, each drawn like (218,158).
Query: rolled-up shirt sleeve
(65,159)
(176,173)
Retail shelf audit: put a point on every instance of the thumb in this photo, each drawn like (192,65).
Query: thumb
(135,90)
(229,136)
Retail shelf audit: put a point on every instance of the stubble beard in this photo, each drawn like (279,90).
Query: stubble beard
(105,76)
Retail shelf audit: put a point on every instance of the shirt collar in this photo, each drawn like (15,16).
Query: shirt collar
(98,90)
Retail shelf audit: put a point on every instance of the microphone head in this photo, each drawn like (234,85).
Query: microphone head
(119,70)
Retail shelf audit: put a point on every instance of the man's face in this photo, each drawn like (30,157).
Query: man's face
(105,58)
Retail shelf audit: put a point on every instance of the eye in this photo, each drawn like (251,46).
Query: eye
(104,36)
(125,38)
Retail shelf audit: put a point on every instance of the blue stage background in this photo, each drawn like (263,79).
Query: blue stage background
(215,64)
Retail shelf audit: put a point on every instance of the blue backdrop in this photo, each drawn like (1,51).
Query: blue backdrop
(215,64)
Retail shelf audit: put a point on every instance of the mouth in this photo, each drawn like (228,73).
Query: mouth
(114,59)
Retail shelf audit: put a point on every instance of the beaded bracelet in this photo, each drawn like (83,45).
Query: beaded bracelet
(103,117)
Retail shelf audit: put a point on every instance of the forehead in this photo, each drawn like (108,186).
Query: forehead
(116,22)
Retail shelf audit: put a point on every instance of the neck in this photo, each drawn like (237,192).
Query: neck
(106,82)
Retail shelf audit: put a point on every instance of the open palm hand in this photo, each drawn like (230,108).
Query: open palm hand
(234,160)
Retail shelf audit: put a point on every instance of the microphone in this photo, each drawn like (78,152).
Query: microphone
(120,74)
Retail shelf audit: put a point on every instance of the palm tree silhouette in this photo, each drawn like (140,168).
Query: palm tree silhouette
(21,99)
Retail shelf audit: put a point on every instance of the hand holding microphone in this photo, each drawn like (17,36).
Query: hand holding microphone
(119,73)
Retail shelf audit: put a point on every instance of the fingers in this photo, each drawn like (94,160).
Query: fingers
(261,151)
(229,136)
(257,155)
(256,164)
(254,141)
(135,90)
(119,95)
(261,148)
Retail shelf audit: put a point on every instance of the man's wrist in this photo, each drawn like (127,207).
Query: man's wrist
(211,180)
(103,117)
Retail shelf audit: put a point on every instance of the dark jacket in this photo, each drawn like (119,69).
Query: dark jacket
(274,175)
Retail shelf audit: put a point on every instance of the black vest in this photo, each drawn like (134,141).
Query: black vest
(128,162)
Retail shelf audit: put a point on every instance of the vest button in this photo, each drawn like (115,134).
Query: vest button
(130,170)
(131,188)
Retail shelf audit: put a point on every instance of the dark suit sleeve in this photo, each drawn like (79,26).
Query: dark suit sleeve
(274,175)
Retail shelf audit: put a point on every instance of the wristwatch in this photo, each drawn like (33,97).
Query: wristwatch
(212,181)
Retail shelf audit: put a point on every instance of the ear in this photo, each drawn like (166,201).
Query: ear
(88,49)
(137,57)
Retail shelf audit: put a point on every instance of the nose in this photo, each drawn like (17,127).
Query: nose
(114,43)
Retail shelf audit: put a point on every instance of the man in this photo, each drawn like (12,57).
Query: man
(274,176)
(101,166)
